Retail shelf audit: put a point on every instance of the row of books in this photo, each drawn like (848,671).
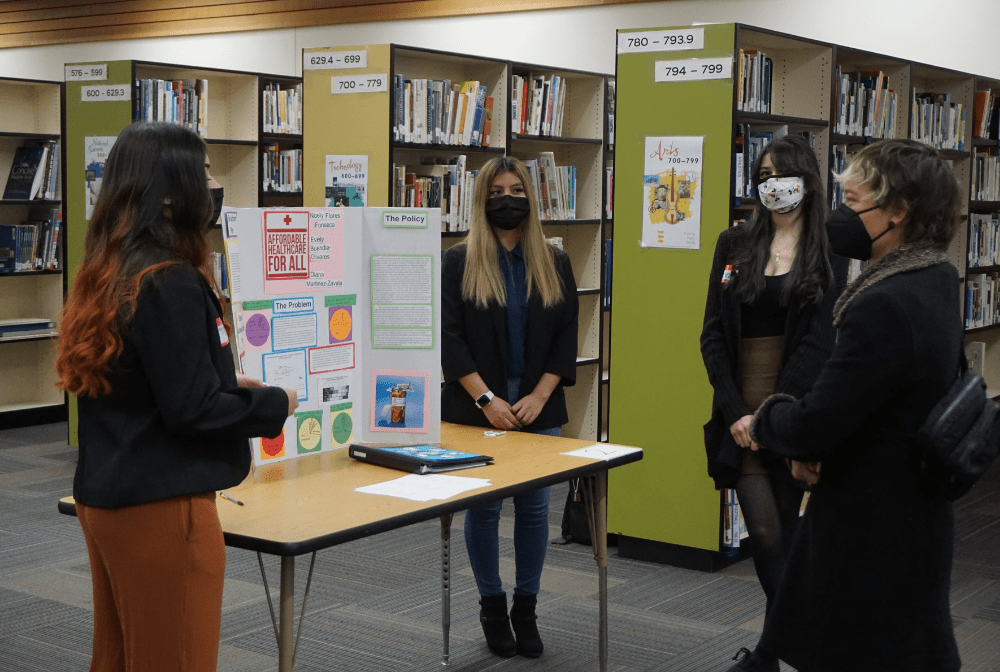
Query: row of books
(840,157)
(537,104)
(982,300)
(749,144)
(282,109)
(754,81)
(555,187)
(936,121)
(181,101)
(734,528)
(612,93)
(985,177)
(865,104)
(986,115)
(32,245)
(281,169)
(25,327)
(442,112)
(34,172)
(984,240)
(220,272)
(448,186)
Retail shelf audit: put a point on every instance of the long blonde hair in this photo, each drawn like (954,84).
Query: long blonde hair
(483,281)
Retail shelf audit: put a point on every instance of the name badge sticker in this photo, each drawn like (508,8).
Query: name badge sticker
(223,336)
(727,274)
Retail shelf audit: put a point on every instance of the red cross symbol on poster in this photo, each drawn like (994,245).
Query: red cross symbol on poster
(286,245)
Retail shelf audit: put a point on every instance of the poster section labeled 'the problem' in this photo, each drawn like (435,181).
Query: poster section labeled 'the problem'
(338,304)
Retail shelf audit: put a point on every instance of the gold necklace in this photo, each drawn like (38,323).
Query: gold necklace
(777,255)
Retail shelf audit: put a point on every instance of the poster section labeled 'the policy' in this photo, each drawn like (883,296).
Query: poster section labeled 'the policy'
(295,322)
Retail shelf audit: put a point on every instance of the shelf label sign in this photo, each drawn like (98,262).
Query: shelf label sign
(87,73)
(661,40)
(375,83)
(105,92)
(693,69)
(335,60)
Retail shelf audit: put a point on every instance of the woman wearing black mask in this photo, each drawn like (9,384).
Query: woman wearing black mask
(866,587)
(768,327)
(509,330)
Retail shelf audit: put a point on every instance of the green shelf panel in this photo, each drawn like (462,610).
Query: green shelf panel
(662,395)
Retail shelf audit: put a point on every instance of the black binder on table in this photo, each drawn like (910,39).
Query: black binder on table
(418,459)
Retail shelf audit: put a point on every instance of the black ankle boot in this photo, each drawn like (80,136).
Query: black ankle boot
(522,617)
(757,660)
(496,625)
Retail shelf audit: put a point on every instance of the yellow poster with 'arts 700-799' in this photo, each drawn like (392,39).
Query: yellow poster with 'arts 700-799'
(671,192)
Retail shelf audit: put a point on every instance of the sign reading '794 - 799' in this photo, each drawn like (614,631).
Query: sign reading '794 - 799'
(692,69)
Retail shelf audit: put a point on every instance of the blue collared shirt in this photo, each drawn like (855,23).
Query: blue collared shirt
(512,268)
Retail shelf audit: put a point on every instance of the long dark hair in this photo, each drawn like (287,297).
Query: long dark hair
(811,274)
(129,237)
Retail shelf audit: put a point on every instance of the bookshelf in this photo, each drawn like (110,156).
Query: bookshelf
(806,85)
(30,111)
(233,133)
(581,144)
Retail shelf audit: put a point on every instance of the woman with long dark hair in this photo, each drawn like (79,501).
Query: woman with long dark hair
(509,328)
(163,418)
(768,328)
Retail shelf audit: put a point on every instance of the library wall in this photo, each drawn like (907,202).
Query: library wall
(570,38)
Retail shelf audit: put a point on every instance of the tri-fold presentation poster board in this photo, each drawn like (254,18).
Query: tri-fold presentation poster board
(340,305)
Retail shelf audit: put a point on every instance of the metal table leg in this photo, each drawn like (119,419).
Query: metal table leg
(286,617)
(446,583)
(595,492)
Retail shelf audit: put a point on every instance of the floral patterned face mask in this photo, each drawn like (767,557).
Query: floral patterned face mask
(781,193)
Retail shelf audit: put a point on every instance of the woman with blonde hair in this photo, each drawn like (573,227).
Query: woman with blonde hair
(509,346)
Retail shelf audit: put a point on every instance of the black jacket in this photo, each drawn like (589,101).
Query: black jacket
(809,336)
(866,587)
(175,422)
(475,340)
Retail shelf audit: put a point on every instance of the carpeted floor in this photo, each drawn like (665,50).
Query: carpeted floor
(374,603)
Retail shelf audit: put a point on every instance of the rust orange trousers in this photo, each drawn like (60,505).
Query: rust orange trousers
(157,572)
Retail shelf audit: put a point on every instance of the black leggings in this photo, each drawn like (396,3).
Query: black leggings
(770,506)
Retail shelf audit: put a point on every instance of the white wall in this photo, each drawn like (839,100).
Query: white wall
(959,34)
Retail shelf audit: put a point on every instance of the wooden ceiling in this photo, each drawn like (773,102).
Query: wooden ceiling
(25,23)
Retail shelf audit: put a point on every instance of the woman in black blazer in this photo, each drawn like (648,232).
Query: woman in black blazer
(768,327)
(867,583)
(163,417)
(509,314)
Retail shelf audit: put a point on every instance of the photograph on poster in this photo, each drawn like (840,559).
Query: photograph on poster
(400,401)
(334,387)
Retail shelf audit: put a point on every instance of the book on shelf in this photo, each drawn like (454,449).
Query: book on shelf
(608,244)
(428,111)
(986,115)
(984,240)
(985,176)
(754,81)
(555,187)
(282,108)
(33,245)
(281,170)
(982,303)
(612,94)
(417,459)
(538,104)
(437,183)
(936,121)
(34,172)
(866,105)
(179,101)
(25,327)
(609,191)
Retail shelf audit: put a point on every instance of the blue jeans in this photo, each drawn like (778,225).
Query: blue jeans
(531,532)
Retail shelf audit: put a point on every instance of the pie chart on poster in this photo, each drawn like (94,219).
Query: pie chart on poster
(273,447)
(310,433)
(340,324)
(258,330)
(342,426)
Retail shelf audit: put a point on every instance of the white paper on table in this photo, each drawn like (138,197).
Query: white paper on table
(602,451)
(427,487)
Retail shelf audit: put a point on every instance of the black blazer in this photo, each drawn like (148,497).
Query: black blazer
(175,422)
(809,337)
(475,339)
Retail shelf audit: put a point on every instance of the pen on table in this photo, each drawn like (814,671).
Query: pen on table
(231,499)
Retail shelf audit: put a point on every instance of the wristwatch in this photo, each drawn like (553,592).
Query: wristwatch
(484,398)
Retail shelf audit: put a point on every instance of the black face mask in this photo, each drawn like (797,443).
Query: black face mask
(217,194)
(507,212)
(848,235)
